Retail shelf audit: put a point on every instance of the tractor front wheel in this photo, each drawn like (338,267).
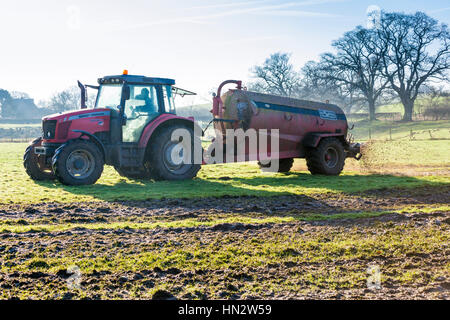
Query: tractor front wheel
(328,158)
(33,165)
(78,162)
(284,165)
(162,165)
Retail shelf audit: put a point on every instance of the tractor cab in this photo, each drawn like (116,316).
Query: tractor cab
(136,101)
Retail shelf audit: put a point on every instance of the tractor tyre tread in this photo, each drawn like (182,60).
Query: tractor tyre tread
(30,164)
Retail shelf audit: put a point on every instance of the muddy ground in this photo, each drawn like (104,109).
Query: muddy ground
(34,264)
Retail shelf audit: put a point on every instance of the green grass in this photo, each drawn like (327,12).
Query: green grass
(185,223)
(245,179)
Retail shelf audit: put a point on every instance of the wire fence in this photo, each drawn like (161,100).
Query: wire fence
(384,132)
(398,116)
(396,134)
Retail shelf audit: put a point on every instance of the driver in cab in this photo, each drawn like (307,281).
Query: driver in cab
(148,106)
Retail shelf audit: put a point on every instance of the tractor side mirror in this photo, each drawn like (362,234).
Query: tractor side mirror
(126,92)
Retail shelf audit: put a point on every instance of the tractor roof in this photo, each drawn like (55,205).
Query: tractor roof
(135,79)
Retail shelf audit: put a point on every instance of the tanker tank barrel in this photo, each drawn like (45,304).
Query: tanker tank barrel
(304,127)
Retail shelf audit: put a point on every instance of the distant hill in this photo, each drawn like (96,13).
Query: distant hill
(201,112)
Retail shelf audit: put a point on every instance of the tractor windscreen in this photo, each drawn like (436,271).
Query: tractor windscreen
(109,96)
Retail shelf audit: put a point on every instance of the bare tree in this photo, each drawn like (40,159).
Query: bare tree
(356,66)
(19,95)
(276,76)
(4,97)
(418,50)
(315,85)
(64,100)
(68,99)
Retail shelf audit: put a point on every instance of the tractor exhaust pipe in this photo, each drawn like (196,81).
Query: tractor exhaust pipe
(83,95)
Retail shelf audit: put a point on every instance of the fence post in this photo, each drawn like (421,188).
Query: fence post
(370,134)
(390,133)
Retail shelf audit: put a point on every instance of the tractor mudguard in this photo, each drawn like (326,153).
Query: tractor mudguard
(163,119)
(312,140)
(96,140)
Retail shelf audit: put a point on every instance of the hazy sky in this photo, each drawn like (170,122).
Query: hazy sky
(47,45)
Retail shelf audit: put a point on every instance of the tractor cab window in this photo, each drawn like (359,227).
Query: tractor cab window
(140,109)
(143,99)
(168,99)
(109,96)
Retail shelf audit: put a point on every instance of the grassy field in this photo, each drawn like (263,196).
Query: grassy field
(233,232)
(219,180)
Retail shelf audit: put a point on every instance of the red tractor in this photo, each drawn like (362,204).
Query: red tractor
(132,124)
(129,128)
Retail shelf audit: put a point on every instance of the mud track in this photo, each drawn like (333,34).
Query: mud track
(34,263)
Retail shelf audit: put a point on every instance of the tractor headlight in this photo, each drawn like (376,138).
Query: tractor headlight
(48,129)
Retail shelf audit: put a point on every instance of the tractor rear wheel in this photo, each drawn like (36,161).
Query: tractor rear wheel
(32,165)
(328,158)
(78,162)
(162,166)
(285,165)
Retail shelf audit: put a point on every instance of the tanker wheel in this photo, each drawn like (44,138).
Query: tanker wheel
(78,162)
(285,165)
(32,165)
(162,165)
(328,158)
